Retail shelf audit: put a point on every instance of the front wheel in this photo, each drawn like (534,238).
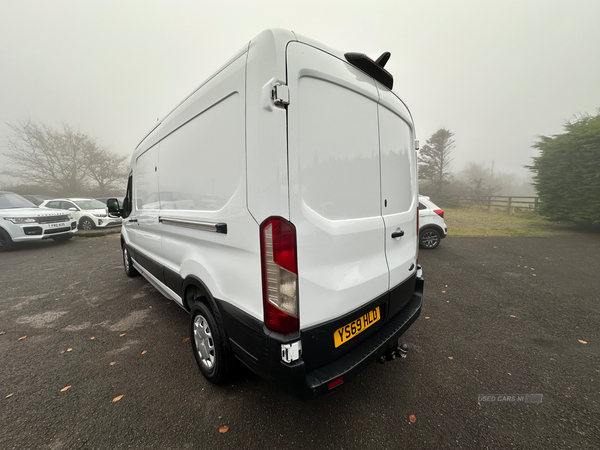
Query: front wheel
(207,344)
(5,241)
(129,269)
(429,238)
(86,224)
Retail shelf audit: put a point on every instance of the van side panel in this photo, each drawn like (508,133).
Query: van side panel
(334,185)
(266,134)
(202,178)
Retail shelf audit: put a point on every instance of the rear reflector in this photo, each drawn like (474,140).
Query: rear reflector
(335,383)
(279,275)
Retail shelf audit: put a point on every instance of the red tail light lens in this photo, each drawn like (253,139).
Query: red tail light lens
(439,212)
(279,275)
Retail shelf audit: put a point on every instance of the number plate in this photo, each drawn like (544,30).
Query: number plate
(58,225)
(344,334)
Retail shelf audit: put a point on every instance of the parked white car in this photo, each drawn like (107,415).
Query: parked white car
(432,228)
(21,220)
(89,212)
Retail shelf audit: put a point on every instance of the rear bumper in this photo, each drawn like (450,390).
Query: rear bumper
(260,349)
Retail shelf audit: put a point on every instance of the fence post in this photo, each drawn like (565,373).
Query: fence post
(489,202)
(509,203)
(535,204)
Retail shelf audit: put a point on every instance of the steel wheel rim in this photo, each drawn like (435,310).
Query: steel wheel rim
(205,344)
(126,259)
(430,238)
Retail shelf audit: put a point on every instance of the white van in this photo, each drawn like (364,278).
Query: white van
(278,204)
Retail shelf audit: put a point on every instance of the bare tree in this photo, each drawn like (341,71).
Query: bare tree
(480,180)
(109,171)
(434,158)
(63,160)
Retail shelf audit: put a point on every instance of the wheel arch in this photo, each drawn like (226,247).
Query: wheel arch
(194,290)
(434,226)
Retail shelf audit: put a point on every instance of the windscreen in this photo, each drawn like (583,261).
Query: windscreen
(9,200)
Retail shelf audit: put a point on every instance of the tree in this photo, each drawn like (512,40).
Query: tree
(567,172)
(106,169)
(479,180)
(434,158)
(62,160)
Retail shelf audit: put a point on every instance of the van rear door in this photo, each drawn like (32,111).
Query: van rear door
(399,196)
(334,186)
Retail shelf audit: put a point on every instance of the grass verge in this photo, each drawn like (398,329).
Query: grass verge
(481,222)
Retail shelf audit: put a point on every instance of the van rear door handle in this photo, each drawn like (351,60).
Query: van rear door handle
(132,220)
(397,234)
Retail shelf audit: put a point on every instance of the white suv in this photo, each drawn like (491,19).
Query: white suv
(21,220)
(432,228)
(89,212)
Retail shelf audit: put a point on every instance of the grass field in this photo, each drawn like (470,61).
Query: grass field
(481,222)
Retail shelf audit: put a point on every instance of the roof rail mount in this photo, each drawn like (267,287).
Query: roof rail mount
(372,68)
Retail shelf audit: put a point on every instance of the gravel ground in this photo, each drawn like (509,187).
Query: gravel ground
(501,316)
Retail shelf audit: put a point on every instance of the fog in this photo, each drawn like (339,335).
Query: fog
(495,73)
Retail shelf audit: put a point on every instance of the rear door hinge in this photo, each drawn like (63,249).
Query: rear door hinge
(280,95)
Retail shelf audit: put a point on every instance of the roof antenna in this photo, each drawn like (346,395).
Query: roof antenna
(383,59)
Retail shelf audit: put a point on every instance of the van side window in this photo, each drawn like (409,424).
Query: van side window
(146,186)
(128,197)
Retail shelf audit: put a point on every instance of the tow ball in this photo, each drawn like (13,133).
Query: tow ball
(391,354)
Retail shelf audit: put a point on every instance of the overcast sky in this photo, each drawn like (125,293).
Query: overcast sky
(496,73)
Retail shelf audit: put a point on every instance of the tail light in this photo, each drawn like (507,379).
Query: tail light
(439,212)
(279,275)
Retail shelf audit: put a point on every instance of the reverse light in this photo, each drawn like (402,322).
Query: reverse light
(19,220)
(279,275)
(439,212)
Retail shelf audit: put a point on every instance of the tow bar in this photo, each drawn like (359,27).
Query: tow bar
(391,354)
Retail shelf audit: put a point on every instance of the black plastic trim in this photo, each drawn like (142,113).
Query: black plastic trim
(156,269)
(371,68)
(260,349)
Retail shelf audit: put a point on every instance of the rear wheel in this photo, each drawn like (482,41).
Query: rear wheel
(86,224)
(207,344)
(429,238)
(5,241)
(129,269)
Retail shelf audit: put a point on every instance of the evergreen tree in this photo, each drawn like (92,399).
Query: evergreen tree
(567,172)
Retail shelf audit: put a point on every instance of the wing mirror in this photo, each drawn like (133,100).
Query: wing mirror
(113,207)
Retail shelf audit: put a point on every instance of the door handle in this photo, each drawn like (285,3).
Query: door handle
(132,220)
(397,234)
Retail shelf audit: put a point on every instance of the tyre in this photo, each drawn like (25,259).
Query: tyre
(429,238)
(86,224)
(207,344)
(129,269)
(62,237)
(5,241)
